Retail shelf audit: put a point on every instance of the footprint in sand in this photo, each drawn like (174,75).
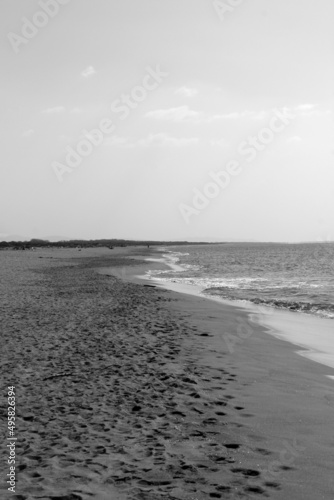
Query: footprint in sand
(232,446)
(246,472)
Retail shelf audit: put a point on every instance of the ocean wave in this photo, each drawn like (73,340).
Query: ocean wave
(325,310)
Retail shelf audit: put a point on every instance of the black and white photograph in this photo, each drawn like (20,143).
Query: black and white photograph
(167,249)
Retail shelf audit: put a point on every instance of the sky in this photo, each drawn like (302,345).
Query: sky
(167,119)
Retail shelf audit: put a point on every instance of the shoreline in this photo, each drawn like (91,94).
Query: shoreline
(288,398)
(294,327)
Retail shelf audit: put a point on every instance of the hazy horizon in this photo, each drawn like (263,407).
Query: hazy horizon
(54,239)
(167,120)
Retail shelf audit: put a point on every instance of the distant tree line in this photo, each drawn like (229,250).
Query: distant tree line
(38,243)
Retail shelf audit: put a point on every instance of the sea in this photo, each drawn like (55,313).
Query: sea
(294,277)
(288,288)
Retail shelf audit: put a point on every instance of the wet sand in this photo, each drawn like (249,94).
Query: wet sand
(127,391)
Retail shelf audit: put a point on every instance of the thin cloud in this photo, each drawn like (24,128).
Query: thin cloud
(54,110)
(311,110)
(77,110)
(88,72)
(301,110)
(295,139)
(161,140)
(184,113)
(152,140)
(181,113)
(305,107)
(87,108)
(65,138)
(222,143)
(186,91)
(28,133)
(237,115)
(119,141)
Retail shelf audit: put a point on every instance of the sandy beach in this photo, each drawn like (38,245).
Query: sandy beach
(126,391)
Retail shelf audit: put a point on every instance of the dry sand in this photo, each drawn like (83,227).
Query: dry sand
(126,391)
